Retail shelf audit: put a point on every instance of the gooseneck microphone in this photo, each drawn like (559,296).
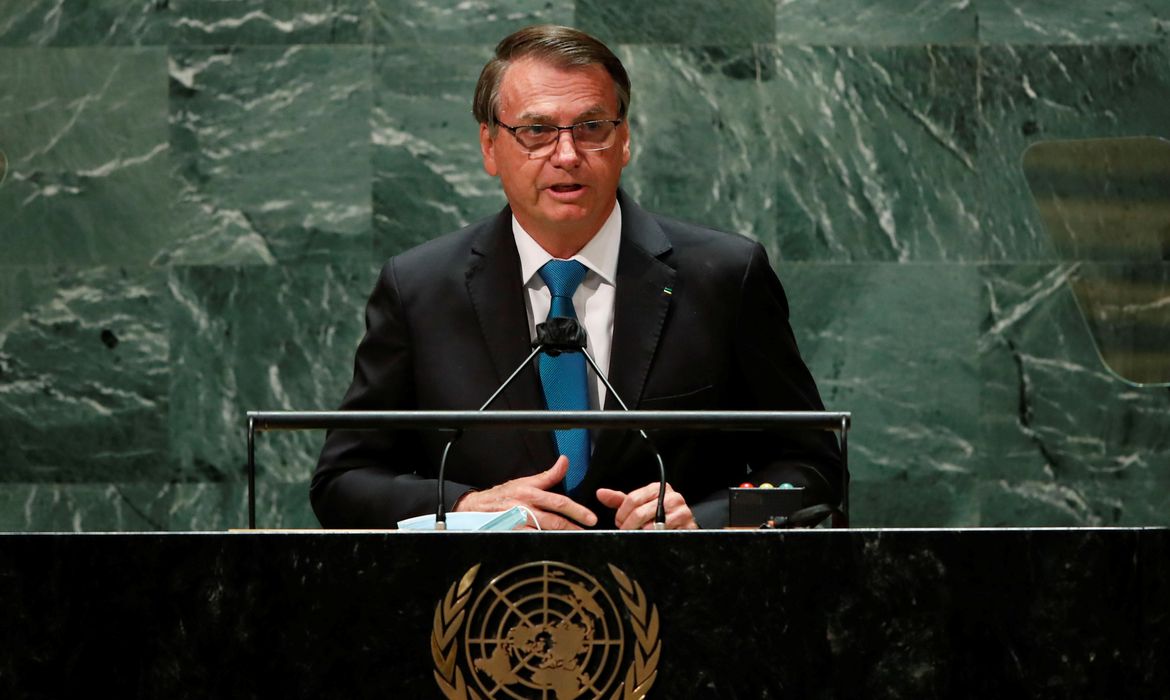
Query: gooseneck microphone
(441,510)
(557,335)
(567,335)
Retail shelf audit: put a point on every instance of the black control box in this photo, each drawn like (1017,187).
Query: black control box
(754,507)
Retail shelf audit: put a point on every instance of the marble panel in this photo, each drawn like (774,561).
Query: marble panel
(1073,444)
(693,22)
(876,153)
(259,338)
(935,500)
(183,22)
(272,151)
(428,171)
(83,375)
(279,505)
(146,507)
(85,134)
(1088,22)
(1036,93)
(49,507)
(875,23)
(251,22)
(893,344)
(207,507)
(448,22)
(701,148)
(92,23)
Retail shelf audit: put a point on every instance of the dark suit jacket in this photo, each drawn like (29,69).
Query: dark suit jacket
(700,322)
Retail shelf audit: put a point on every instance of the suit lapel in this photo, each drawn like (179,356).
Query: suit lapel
(641,303)
(493,284)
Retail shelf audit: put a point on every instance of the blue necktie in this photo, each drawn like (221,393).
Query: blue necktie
(563,376)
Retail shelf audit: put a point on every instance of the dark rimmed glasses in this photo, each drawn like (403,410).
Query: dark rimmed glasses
(541,139)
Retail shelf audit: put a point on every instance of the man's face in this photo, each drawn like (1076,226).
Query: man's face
(569,193)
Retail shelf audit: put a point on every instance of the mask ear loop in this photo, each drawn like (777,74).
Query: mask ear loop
(530,515)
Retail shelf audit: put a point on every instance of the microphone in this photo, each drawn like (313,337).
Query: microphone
(440,509)
(562,334)
(557,335)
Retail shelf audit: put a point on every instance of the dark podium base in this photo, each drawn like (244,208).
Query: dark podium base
(820,614)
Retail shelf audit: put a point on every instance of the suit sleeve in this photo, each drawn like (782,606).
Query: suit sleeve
(772,376)
(370,479)
(779,380)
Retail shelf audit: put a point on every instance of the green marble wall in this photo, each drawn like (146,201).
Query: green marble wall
(201,193)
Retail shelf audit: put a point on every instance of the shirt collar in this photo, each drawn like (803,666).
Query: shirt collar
(600,254)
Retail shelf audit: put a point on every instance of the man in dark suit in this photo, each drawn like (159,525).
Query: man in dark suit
(683,317)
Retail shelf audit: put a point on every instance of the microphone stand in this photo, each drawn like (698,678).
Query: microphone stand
(441,510)
(557,335)
(660,513)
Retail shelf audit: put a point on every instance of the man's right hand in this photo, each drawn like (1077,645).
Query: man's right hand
(552,510)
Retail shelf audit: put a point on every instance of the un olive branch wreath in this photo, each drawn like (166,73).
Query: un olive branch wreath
(444,648)
(644,620)
(450,613)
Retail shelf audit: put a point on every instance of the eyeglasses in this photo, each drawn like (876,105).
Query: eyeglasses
(540,139)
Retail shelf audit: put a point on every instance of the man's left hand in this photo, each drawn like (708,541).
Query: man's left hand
(636,509)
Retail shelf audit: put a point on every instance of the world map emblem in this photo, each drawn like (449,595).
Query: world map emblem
(548,631)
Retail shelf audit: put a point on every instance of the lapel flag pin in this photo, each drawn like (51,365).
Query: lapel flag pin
(667,290)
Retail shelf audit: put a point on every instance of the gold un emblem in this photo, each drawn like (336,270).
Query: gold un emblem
(545,631)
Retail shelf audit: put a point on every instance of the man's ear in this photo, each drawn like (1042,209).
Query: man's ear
(487,146)
(625,143)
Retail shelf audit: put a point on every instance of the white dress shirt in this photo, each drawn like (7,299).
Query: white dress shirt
(593,300)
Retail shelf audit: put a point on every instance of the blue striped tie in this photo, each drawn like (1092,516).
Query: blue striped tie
(563,376)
